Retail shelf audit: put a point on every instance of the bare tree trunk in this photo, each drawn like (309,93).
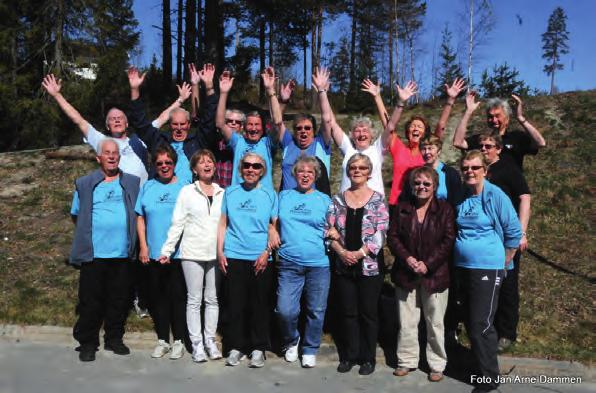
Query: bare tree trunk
(261,57)
(179,44)
(213,52)
(190,36)
(59,30)
(470,44)
(200,33)
(304,47)
(166,44)
(552,75)
(353,47)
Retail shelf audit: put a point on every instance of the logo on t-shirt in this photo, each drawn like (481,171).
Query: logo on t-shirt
(164,198)
(111,196)
(300,209)
(248,206)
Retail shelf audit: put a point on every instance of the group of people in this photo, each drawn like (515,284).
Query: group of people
(203,220)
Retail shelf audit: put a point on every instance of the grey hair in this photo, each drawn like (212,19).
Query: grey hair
(108,115)
(249,154)
(364,121)
(307,160)
(102,142)
(237,112)
(358,157)
(495,102)
(179,110)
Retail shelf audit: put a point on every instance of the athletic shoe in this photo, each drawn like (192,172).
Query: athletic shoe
(366,368)
(86,353)
(291,354)
(345,366)
(234,357)
(212,350)
(309,361)
(435,376)
(116,346)
(198,355)
(257,359)
(161,349)
(177,350)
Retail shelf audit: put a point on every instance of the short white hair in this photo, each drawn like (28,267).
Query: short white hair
(101,144)
(495,102)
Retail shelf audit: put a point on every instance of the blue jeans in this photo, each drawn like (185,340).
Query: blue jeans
(293,278)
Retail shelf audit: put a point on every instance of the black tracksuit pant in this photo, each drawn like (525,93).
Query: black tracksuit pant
(507,316)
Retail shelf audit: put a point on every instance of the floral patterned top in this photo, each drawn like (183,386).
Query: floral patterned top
(375,222)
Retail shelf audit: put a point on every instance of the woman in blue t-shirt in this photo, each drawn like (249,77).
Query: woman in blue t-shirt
(244,251)
(166,286)
(303,262)
(488,234)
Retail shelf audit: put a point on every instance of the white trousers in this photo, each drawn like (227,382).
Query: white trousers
(408,307)
(199,276)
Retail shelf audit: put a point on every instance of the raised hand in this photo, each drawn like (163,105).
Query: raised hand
(268,76)
(184,91)
(285,91)
(207,73)
(135,78)
(369,87)
(52,85)
(471,103)
(408,91)
(456,87)
(194,75)
(518,107)
(225,82)
(320,79)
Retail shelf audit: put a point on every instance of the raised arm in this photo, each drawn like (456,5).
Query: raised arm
(225,84)
(375,91)
(403,95)
(320,81)
(268,76)
(452,92)
(285,93)
(53,87)
(194,82)
(459,137)
(184,92)
(537,137)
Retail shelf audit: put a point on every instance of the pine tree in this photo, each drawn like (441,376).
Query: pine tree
(502,82)
(450,68)
(555,44)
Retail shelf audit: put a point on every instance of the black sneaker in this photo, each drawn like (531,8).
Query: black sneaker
(366,368)
(345,366)
(86,354)
(117,347)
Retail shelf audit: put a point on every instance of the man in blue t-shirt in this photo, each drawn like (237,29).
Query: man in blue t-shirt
(104,242)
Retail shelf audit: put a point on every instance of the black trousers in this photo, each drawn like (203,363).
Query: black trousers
(507,316)
(167,298)
(104,297)
(249,306)
(358,317)
(480,296)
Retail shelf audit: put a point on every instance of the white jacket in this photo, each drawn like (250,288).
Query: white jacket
(198,219)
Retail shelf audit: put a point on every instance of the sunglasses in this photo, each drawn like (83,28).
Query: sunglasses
(233,121)
(162,163)
(423,183)
(472,167)
(360,168)
(486,146)
(253,165)
(305,128)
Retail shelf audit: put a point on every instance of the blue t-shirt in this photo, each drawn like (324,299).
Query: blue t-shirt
(249,214)
(291,152)
(477,245)
(109,230)
(156,203)
(264,147)
(182,170)
(442,190)
(302,223)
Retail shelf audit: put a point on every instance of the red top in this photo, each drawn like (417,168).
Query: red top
(403,161)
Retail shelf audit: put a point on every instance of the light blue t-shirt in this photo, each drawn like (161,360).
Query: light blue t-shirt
(109,230)
(302,224)
(156,203)
(442,190)
(291,152)
(264,147)
(249,214)
(182,170)
(477,245)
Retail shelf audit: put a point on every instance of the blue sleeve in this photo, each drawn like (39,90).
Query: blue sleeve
(287,139)
(74,210)
(138,205)
(326,147)
(233,140)
(275,208)
(509,221)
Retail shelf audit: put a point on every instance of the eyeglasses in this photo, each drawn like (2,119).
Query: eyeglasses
(162,163)
(486,146)
(360,168)
(253,165)
(472,167)
(305,128)
(233,121)
(423,183)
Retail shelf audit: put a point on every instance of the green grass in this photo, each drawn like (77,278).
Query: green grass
(557,308)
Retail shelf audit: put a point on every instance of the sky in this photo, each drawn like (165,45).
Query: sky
(518,44)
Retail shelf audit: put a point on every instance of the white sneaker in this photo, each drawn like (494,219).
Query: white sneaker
(212,350)
(177,350)
(309,361)
(257,359)
(198,355)
(161,349)
(291,354)
(234,357)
